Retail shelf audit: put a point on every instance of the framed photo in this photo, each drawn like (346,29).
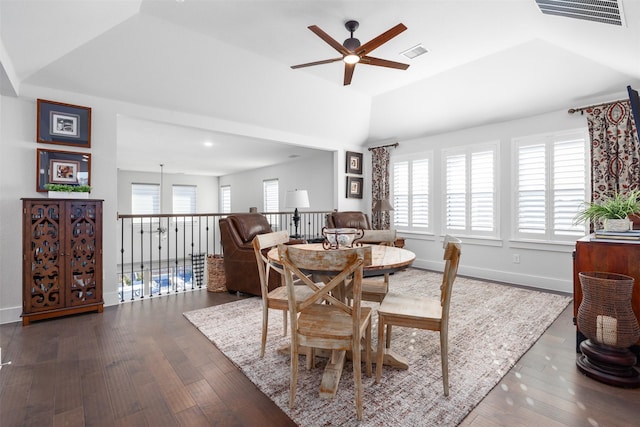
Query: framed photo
(354,187)
(63,171)
(62,167)
(64,124)
(354,162)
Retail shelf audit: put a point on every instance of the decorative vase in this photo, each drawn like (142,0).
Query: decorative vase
(336,238)
(617,224)
(606,318)
(68,195)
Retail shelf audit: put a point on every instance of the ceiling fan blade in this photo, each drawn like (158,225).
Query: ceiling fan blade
(329,40)
(348,73)
(309,64)
(380,40)
(369,60)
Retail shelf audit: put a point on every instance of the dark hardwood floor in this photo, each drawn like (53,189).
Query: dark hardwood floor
(144,364)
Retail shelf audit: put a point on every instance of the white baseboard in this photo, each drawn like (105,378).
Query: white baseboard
(540,282)
(10,315)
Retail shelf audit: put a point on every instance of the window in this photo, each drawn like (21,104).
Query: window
(411,189)
(271,202)
(550,175)
(184,199)
(225,199)
(470,190)
(145,199)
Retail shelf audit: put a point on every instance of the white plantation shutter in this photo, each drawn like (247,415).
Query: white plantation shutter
(225,199)
(569,185)
(482,191)
(420,193)
(551,183)
(270,195)
(271,202)
(411,192)
(145,199)
(184,199)
(470,190)
(456,192)
(532,174)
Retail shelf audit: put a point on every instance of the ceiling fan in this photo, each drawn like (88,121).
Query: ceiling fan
(354,53)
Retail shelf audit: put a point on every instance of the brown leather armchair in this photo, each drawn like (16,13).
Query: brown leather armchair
(348,219)
(240,266)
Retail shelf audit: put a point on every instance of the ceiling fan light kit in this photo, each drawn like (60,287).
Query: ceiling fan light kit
(351,59)
(353,52)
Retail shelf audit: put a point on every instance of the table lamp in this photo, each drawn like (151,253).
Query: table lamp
(382,206)
(296,199)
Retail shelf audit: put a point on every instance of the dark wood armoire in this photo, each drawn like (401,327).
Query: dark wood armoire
(62,257)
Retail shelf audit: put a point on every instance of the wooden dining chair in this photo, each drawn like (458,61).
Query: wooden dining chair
(375,288)
(415,311)
(322,321)
(277,298)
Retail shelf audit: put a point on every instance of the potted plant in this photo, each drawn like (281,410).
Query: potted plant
(613,212)
(67,191)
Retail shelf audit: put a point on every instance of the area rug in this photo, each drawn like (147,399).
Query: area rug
(492,325)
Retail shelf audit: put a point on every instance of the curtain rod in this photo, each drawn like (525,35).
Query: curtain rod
(382,146)
(581,109)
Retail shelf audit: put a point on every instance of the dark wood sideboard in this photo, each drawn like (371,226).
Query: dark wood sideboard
(608,256)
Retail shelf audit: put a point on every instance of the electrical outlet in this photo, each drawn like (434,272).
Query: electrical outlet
(516,258)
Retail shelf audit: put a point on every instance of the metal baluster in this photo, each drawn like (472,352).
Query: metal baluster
(151,257)
(121,261)
(141,259)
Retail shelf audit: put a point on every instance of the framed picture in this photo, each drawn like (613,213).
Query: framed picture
(63,171)
(62,167)
(354,187)
(64,124)
(354,162)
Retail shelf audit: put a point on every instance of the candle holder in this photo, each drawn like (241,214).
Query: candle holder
(606,318)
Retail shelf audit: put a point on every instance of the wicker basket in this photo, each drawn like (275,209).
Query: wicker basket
(215,274)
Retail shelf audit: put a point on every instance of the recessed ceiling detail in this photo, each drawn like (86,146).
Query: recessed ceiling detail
(603,11)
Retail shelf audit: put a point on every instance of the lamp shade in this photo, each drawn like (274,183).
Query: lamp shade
(296,199)
(382,205)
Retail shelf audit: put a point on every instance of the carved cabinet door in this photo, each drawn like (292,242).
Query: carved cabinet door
(82,252)
(43,271)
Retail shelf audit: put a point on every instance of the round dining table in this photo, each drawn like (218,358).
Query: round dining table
(384,259)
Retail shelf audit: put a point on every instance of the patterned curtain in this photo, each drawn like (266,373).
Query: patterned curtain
(380,186)
(615,152)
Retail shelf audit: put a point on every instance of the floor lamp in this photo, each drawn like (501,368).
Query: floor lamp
(296,199)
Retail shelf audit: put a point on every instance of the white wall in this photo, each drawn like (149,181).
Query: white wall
(547,266)
(316,175)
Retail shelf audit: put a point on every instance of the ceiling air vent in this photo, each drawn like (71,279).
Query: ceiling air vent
(603,11)
(414,51)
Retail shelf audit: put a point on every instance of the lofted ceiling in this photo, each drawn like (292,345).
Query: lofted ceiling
(487,61)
